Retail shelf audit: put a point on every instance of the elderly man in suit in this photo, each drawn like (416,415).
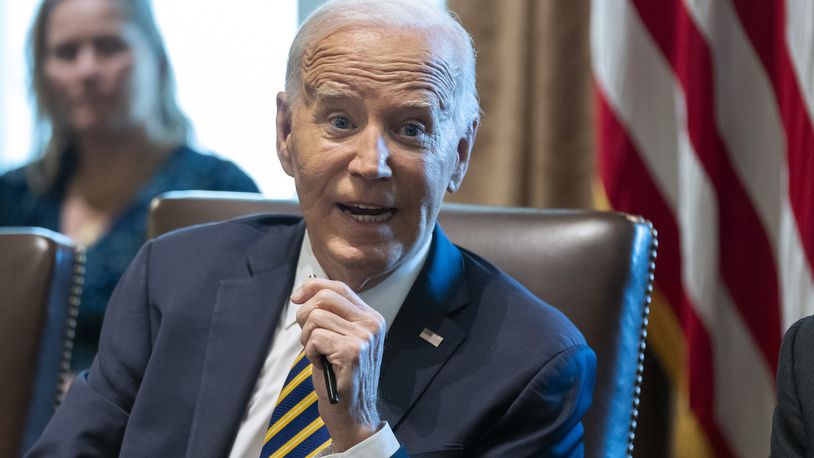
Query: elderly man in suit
(223,340)
(793,422)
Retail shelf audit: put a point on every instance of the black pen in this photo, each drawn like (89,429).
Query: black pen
(330,380)
(328,372)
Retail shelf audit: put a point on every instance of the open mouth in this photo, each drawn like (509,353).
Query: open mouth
(367,213)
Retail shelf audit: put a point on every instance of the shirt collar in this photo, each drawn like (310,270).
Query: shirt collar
(386,297)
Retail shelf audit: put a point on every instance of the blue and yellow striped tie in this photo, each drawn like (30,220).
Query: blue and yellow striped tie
(295,429)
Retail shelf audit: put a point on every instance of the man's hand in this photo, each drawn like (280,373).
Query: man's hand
(336,323)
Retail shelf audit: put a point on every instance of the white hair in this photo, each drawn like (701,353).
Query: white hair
(422,15)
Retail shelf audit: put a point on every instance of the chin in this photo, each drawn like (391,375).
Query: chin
(372,257)
(89,124)
(370,260)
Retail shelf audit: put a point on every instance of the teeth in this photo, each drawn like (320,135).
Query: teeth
(366,207)
(370,218)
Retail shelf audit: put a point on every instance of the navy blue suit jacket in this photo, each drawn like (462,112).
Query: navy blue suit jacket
(189,326)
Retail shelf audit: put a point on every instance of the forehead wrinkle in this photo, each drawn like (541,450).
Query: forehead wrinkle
(324,65)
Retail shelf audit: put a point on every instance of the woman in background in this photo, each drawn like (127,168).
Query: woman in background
(112,136)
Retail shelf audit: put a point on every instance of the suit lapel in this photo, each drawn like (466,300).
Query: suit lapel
(241,328)
(411,362)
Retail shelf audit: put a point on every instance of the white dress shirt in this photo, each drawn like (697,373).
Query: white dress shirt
(386,297)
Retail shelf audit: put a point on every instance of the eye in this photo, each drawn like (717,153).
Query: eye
(66,51)
(109,45)
(411,129)
(341,122)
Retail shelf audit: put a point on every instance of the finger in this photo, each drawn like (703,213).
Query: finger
(312,286)
(323,319)
(330,300)
(323,342)
(362,331)
(319,381)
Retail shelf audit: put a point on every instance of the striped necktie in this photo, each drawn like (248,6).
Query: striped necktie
(295,429)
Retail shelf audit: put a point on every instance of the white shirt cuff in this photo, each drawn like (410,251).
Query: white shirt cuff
(382,443)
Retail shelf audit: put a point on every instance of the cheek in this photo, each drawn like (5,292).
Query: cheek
(311,168)
(435,175)
(123,76)
(304,165)
(314,157)
(128,68)
(57,77)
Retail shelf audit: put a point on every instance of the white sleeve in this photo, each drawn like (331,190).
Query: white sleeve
(382,443)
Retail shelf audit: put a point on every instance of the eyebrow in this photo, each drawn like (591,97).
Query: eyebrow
(324,92)
(418,103)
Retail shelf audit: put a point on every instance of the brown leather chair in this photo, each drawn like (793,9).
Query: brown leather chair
(41,276)
(597,267)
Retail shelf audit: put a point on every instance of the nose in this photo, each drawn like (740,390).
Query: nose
(87,62)
(372,154)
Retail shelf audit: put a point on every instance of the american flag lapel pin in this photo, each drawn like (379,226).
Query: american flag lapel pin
(431,337)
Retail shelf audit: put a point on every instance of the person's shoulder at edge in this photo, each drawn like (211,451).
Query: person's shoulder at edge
(806,326)
(221,174)
(14,179)
(13,187)
(801,334)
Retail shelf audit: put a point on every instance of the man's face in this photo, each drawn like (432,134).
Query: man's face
(372,148)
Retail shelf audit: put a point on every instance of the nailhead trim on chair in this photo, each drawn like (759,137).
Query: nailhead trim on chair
(77,284)
(637,384)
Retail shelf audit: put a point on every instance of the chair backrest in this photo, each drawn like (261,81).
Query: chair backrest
(597,267)
(41,276)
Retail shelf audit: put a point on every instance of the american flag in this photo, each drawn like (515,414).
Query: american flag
(704,112)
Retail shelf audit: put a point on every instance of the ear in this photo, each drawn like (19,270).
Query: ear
(284,133)
(464,151)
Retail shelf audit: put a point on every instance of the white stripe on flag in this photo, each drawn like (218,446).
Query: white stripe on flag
(744,391)
(800,42)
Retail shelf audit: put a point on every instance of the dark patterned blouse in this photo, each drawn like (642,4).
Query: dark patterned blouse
(109,256)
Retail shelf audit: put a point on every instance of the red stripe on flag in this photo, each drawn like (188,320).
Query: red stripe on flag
(747,264)
(630,188)
(765,24)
